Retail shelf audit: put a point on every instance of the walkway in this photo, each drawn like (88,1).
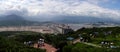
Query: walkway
(91,44)
(48,47)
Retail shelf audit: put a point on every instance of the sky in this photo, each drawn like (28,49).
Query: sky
(49,9)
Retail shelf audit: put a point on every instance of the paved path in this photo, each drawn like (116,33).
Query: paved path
(76,40)
(91,44)
(48,47)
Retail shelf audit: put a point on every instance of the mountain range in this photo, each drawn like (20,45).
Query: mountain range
(16,20)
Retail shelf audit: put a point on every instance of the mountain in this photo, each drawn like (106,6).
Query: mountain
(74,19)
(15,20)
(83,19)
(11,18)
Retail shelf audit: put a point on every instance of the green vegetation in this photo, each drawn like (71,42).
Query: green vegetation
(105,39)
(108,38)
(8,45)
(79,47)
(55,40)
(97,35)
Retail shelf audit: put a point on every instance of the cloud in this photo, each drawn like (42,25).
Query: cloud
(59,7)
(97,1)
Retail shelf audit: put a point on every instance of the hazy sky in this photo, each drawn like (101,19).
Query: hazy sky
(36,8)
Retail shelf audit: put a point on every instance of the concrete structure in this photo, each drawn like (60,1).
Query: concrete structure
(41,29)
(51,29)
(62,28)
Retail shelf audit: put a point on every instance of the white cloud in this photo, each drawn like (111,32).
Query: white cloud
(98,1)
(59,7)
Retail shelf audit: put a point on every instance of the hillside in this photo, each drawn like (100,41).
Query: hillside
(7,45)
(15,20)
